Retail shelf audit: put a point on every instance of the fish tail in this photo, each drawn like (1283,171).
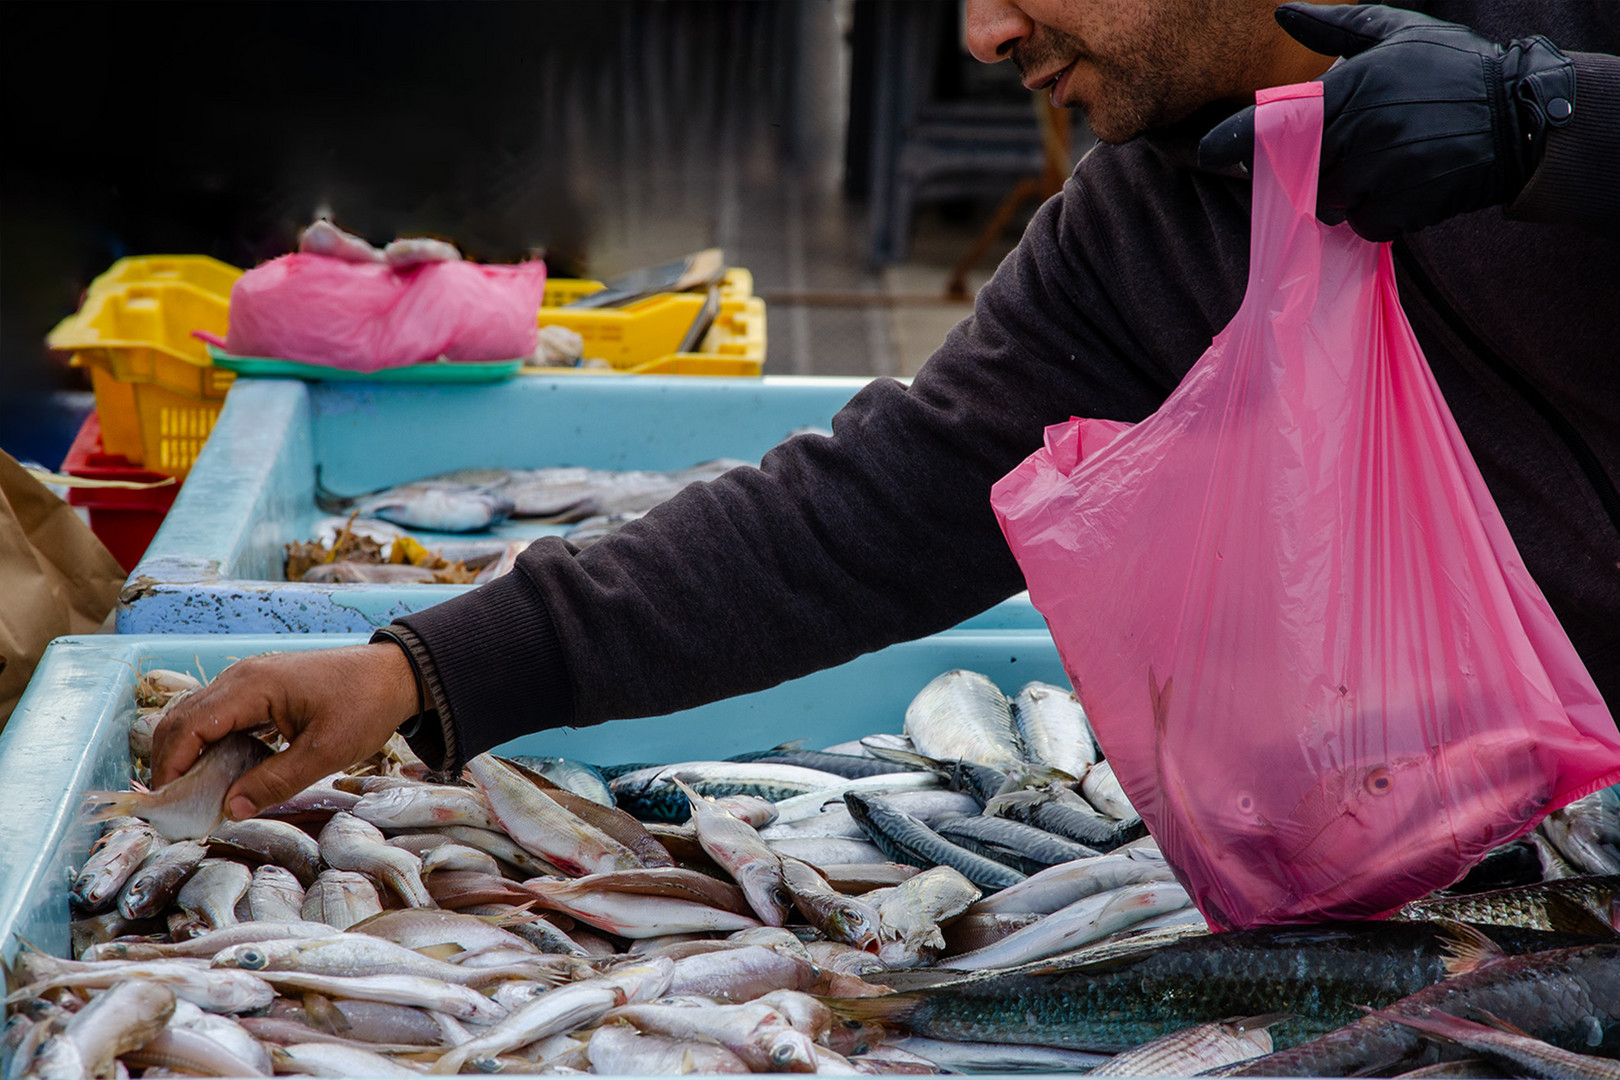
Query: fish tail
(888,1009)
(906,757)
(328,500)
(103,805)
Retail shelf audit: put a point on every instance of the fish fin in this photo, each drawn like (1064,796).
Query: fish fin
(1567,915)
(1004,799)
(1466,947)
(906,757)
(324,1015)
(686,789)
(443,951)
(890,1009)
(103,805)
(1257,1023)
(1492,1020)
(790,745)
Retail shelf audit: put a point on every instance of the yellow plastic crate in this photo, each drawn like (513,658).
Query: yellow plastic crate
(156,392)
(641,338)
(198,271)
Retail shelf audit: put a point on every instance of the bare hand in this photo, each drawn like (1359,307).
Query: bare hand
(335,707)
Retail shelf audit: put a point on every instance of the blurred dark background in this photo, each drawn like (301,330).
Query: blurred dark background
(600,136)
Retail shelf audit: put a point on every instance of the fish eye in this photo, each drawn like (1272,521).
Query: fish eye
(782,1054)
(1245,802)
(1379,781)
(251,959)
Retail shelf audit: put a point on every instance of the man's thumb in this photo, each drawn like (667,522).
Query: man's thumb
(1345,29)
(274,780)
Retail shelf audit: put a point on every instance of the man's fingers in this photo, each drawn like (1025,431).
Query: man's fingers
(1345,29)
(194,722)
(1228,149)
(277,779)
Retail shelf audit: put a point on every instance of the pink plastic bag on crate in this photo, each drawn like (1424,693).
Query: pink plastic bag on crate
(1300,628)
(367,316)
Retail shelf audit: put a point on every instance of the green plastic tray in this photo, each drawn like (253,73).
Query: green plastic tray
(269,367)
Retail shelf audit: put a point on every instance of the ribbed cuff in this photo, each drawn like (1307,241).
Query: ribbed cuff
(492,664)
(428,733)
(1576,184)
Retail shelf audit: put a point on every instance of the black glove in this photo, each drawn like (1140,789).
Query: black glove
(1423,120)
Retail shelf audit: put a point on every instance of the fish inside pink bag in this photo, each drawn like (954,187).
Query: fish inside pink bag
(370,316)
(1304,638)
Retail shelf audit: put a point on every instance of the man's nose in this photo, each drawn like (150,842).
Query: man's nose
(994,27)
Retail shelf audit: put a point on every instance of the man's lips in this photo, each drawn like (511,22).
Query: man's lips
(1055,82)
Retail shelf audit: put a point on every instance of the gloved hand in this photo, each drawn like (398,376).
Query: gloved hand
(1424,119)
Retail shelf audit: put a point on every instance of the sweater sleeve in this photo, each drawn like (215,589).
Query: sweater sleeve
(1576,184)
(834,546)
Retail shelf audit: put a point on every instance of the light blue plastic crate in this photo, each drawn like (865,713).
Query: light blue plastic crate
(216,564)
(69,734)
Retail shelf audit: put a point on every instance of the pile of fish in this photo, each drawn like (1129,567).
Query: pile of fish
(370,543)
(974,894)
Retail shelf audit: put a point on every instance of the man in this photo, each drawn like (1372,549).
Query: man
(883,532)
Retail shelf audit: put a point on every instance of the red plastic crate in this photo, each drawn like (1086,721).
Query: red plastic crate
(124,519)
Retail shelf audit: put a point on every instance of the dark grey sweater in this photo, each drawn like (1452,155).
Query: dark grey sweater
(838,546)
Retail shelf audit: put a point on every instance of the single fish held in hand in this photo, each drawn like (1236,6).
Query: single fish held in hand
(189,807)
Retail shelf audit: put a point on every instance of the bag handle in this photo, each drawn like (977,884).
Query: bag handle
(1285,237)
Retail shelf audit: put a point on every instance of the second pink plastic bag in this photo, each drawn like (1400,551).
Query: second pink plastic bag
(369,316)
(1300,628)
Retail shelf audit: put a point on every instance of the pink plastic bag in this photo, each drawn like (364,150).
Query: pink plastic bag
(1299,626)
(369,316)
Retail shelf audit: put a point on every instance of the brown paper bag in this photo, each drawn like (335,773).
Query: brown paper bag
(55,577)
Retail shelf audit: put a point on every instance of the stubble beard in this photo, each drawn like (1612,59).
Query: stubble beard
(1175,64)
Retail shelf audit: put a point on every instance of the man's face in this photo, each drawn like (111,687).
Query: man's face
(1130,65)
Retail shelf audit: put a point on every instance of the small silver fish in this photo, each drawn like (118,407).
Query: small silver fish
(210,895)
(341,898)
(121,849)
(159,877)
(189,807)
(348,843)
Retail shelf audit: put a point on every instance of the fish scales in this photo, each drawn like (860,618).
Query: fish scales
(849,766)
(1562,996)
(1573,905)
(905,839)
(1323,975)
(1036,849)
